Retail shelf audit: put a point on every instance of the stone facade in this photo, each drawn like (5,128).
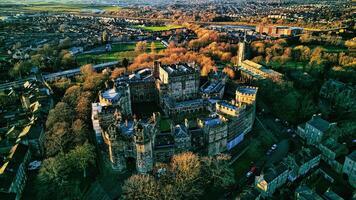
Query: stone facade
(302,162)
(349,167)
(272,179)
(215,134)
(129,142)
(182,81)
(118,95)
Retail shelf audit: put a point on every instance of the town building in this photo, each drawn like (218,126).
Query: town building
(214,88)
(117,96)
(251,71)
(278,31)
(239,114)
(314,130)
(273,178)
(142,86)
(180,80)
(13,170)
(305,193)
(302,162)
(215,134)
(349,167)
(22,134)
(338,94)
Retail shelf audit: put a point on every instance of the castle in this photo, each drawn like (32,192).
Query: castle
(139,143)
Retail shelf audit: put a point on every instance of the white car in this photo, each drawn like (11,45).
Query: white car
(248,174)
(274,147)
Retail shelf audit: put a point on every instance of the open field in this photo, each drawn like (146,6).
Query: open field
(158,28)
(55,7)
(119,52)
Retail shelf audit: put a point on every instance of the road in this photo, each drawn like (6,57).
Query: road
(56,75)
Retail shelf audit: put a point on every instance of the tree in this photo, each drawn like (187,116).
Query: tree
(153,47)
(140,187)
(186,168)
(62,112)
(20,68)
(83,107)
(80,132)
(72,94)
(58,138)
(217,173)
(56,179)
(141,47)
(230,72)
(316,56)
(117,72)
(305,38)
(351,44)
(65,43)
(87,70)
(82,156)
(52,177)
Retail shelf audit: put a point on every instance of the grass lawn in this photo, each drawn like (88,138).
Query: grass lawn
(158,28)
(165,125)
(105,57)
(119,52)
(255,153)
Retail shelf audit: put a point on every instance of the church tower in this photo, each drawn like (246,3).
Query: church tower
(144,154)
(241,53)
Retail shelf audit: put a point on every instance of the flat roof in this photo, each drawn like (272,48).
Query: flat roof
(110,94)
(212,122)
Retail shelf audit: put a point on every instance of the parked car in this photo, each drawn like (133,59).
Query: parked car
(274,147)
(277,120)
(252,171)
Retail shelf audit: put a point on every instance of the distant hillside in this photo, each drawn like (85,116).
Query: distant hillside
(62,1)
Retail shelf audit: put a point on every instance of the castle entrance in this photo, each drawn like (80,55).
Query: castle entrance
(131,164)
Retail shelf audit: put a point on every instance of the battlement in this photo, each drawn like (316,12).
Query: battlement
(247,90)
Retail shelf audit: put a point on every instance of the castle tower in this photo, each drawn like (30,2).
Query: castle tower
(246,95)
(115,147)
(144,154)
(241,53)
(156,65)
(125,100)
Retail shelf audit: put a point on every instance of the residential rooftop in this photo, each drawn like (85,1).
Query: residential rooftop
(319,123)
(352,156)
(274,172)
(307,193)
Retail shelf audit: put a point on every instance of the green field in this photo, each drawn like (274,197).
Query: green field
(69,8)
(119,52)
(158,28)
